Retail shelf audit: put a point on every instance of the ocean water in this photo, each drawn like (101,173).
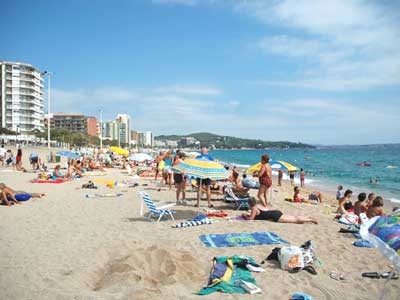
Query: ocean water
(329,166)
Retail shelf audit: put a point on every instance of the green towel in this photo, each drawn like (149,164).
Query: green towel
(230,284)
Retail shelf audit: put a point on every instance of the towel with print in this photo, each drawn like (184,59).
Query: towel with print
(241,239)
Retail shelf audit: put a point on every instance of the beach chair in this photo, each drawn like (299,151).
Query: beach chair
(239,201)
(154,210)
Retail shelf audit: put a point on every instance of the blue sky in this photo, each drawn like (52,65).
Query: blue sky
(322,72)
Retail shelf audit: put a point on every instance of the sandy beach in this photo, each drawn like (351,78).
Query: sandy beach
(66,246)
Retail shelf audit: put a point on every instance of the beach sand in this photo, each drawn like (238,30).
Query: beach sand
(66,246)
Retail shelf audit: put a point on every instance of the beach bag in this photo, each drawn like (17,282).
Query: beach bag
(291,258)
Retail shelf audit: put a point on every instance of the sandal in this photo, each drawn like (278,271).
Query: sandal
(310,269)
(211,205)
(390,275)
(370,274)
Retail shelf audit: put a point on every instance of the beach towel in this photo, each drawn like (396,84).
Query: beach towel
(227,275)
(363,243)
(241,239)
(199,220)
(103,195)
(47,181)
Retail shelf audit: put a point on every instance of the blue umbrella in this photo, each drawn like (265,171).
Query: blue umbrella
(68,154)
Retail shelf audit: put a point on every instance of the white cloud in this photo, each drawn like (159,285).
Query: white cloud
(308,119)
(189,89)
(347,45)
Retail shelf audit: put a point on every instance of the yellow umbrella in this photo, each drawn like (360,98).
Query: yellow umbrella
(119,151)
(275,165)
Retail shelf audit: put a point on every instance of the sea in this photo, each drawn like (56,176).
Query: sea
(365,168)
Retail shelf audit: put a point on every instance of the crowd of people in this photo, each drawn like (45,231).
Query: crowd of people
(163,166)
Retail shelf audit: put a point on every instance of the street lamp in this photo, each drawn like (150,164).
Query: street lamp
(101,129)
(16,135)
(48,104)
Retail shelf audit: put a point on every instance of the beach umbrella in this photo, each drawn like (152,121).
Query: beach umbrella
(192,154)
(275,165)
(384,233)
(140,157)
(202,169)
(119,150)
(68,154)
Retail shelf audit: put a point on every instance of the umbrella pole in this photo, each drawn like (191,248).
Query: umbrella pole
(201,189)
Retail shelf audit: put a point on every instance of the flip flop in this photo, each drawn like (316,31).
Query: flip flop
(371,275)
(391,275)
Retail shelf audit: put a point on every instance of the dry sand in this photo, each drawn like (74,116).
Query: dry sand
(65,246)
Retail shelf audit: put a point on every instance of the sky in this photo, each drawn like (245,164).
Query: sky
(318,72)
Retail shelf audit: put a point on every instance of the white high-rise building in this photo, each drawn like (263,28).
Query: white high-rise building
(21,97)
(124,128)
(148,139)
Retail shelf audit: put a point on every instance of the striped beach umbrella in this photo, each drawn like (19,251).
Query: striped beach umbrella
(275,165)
(202,169)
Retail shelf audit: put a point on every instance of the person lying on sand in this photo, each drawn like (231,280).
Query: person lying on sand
(313,198)
(9,196)
(260,212)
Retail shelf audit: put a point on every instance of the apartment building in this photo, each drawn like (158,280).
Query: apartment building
(21,97)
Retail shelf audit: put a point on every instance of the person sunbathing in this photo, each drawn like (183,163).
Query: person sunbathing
(94,166)
(360,204)
(249,183)
(313,198)
(9,196)
(376,209)
(260,212)
(345,204)
(58,175)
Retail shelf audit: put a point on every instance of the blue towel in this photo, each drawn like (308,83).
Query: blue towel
(301,296)
(363,243)
(241,239)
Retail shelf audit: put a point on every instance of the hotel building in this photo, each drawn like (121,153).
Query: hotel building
(21,97)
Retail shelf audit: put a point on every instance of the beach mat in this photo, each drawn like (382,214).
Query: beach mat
(241,239)
(47,181)
(105,195)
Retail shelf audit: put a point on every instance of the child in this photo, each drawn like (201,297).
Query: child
(339,192)
(302,177)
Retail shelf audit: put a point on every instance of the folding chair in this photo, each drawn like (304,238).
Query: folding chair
(239,201)
(154,210)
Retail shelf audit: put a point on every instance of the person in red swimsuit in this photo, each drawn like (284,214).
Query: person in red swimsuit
(265,179)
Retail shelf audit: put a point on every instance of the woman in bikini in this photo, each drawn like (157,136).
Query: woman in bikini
(265,179)
(259,212)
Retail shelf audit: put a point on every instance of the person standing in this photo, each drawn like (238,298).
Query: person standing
(291,177)
(206,182)
(157,160)
(179,180)
(2,155)
(302,177)
(265,180)
(280,176)
(339,192)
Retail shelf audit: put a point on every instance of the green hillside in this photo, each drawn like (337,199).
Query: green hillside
(228,142)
